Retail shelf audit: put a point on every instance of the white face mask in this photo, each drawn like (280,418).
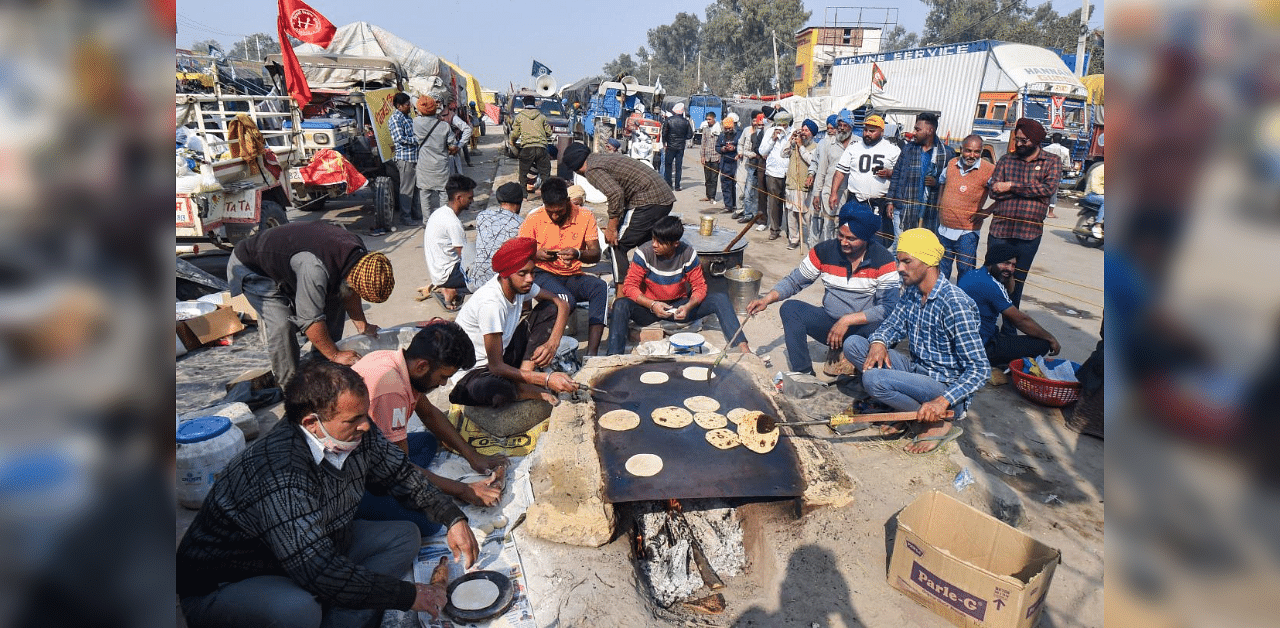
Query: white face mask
(333,445)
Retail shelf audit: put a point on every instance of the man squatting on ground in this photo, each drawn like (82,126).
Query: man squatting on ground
(508,348)
(665,278)
(276,542)
(398,384)
(947,364)
(568,239)
(860,288)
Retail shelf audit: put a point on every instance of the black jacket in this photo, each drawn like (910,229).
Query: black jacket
(677,132)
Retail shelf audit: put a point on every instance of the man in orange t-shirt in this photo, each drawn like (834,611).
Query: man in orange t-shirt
(568,238)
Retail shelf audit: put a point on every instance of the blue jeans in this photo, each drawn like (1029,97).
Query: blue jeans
(802,321)
(902,386)
(672,166)
(625,310)
(422,449)
(965,252)
(728,182)
(575,288)
(1097,198)
(1026,251)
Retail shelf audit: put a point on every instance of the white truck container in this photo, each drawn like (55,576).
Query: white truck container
(980,87)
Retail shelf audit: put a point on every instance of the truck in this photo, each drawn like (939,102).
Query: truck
(980,87)
(699,106)
(616,102)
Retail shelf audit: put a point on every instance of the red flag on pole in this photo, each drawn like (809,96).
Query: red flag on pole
(877,76)
(299,20)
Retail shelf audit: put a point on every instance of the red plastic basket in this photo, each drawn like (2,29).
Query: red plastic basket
(1043,391)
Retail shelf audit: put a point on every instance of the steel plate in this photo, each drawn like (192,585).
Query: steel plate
(691,467)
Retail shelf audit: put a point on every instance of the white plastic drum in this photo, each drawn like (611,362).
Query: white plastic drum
(205,446)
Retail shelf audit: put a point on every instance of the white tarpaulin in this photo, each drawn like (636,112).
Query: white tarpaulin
(366,40)
(817,108)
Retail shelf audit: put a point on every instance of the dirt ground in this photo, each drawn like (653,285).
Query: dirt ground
(827,568)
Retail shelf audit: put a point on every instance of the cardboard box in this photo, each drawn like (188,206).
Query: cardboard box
(242,307)
(969,567)
(258,379)
(198,331)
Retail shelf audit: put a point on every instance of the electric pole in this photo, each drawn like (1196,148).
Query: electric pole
(777,81)
(1084,36)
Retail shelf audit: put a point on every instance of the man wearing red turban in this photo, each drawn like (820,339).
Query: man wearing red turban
(510,350)
(1023,183)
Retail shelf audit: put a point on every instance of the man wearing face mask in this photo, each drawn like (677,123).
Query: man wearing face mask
(398,384)
(824,167)
(276,542)
(862,173)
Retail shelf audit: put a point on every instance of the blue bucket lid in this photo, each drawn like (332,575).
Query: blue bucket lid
(202,428)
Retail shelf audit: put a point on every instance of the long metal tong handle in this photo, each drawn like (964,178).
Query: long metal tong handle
(741,326)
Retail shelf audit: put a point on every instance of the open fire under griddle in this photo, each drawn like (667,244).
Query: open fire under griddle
(691,467)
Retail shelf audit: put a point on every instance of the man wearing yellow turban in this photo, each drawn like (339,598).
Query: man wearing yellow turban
(948,363)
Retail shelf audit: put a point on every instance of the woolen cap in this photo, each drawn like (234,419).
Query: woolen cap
(372,278)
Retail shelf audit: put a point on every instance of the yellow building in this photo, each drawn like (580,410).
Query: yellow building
(817,46)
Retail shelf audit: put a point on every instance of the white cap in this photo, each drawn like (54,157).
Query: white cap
(678,108)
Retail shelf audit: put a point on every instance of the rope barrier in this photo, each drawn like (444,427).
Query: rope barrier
(952,255)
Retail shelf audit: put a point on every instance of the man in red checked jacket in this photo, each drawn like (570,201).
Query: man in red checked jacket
(665,282)
(1021,187)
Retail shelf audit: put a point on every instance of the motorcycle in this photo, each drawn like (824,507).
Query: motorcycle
(1088,230)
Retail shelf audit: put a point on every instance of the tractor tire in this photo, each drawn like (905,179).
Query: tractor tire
(385,191)
(271,215)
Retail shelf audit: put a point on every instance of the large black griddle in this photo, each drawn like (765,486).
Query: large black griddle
(506,597)
(691,467)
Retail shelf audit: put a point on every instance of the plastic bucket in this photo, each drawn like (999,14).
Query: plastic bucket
(744,286)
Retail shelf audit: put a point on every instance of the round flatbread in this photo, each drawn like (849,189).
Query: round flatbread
(736,414)
(723,438)
(673,417)
(754,440)
(697,373)
(644,465)
(653,377)
(702,404)
(710,420)
(474,595)
(620,420)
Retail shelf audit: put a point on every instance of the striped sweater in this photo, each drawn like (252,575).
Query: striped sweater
(665,279)
(871,288)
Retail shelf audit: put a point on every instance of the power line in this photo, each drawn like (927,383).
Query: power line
(191,23)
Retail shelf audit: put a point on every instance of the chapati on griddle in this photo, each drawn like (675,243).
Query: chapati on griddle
(723,438)
(644,465)
(761,443)
(620,420)
(710,420)
(702,403)
(736,415)
(697,373)
(673,417)
(653,377)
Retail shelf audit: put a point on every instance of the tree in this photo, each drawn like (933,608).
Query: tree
(899,39)
(202,47)
(675,52)
(621,66)
(255,47)
(737,44)
(954,21)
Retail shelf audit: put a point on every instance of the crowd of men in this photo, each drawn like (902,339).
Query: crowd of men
(318,520)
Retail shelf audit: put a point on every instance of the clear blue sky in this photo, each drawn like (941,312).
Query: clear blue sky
(497,41)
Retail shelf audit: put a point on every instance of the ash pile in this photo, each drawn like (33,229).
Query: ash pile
(685,550)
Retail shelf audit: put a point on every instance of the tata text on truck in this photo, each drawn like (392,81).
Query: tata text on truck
(980,87)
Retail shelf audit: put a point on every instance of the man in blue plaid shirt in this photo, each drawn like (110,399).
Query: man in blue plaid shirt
(948,363)
(406,160)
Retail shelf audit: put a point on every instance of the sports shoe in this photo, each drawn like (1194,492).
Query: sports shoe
(791,246)
(737,214)
(761,227)
(746,219)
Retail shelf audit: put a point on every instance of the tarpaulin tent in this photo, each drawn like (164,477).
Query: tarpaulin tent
(469,83)
(817,108)
(422,68)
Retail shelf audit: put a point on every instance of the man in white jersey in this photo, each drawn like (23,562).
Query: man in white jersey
(863,172)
